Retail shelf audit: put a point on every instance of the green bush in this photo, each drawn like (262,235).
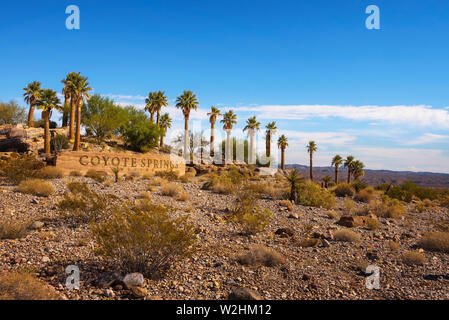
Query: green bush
(387,208)
(19,167)
(359,185)
(11,113)
(344,190)
(147,239)
(408,190)
(139,133)
(309,194)
(59,142)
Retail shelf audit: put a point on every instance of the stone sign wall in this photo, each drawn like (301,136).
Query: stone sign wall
(128,162)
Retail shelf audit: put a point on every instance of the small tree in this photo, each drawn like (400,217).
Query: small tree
(11,113)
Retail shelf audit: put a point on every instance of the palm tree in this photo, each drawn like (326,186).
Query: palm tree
(357,169)
(294,179)
(159,101)
(150,106)
(251,126)
(283,144)
(69,88)
(326,180)
(336,162)
(31,95)
(348,164)
(187,102)
(68,107)
(80,89)
(271,130)
(48,100)
(165,123)
(215,112)
(311,148)
(229,120)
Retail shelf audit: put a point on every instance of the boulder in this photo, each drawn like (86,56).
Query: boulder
(241,293)
(352,221)
(285,232)
(134,280)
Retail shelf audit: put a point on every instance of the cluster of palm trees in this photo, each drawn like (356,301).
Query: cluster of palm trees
(154,104)
(355,167)
(76,89)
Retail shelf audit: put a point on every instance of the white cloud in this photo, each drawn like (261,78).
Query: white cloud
(426,139)
(125,97)
(329,138)
(413,115)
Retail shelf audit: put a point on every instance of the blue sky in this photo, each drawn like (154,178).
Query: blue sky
(311,66)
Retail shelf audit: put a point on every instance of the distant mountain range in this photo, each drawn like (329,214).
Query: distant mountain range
(376,177)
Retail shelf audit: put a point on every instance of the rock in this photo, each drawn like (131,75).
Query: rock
(325,243)
(109,293)
(36,225)
(134,280)
(353,221)
(45,259)
(285,232)
(241,293)
(139,292)
(293,215)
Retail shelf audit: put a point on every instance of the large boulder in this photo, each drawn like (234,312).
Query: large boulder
(241,293)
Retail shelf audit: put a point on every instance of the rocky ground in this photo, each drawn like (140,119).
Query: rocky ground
(333,270)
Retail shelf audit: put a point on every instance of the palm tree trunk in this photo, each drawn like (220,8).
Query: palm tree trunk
(228,146)
(186,139)
(268,145)
(72,119)
(212,140)
(65,114)
(152,117)
(349,175)
(283,158)
(162,141)
(46,117)
(311,167)
(336,174)
(252,148)
(158,119)
(31,114)
(76,146)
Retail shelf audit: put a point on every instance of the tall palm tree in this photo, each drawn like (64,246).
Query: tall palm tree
(229,120)
(252,125)
(31,95)
(69,87)
(150,105)
(348,164)
(357,169)
(48,100)
(337,161)
(68,97)
(81,89)
(165,123)
(159,101)
(311,148)
(213,115)
(283,144)
(187,102)
(271,130)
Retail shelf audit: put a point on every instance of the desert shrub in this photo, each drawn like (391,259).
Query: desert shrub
(387,208)
(309,242)
(425,205)
(10,229)
(76,174)
(444,201)
(413,258)
(95,175)
(146,239)
(19,167)
(309,194)
(409,190)
(169,175)
(36,187)
(372,224)
(249,214)
(261,255)
(82,204)
(148,176)
(139,133)
(346,235)
(59,142)
(50,173)
(144,195)
(359,185)
(349,205)
(344,190)
(11,113)
(186,178)
(366,195)
(435,241)
(286,203)
(331,214)
(116,171)
(394,246)
(170,190)
(157,181)
(23,286)
(184,197)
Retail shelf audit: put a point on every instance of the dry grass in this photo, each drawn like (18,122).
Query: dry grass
(36,187)
(309,242)
(346,235)
(285,203)
(144,195)
(157,181)
(223,187)
(425,205)
(148,176)
(95,175)
(186,178)
(331,214)
(435,241)
(170,189)
(366,195)
(394,246)
(372,224)
(10,229)
(412,258)
(50,173)
(260,255)
(184,197)
(23,286)
(344,190)
(387,208)
(76,174)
